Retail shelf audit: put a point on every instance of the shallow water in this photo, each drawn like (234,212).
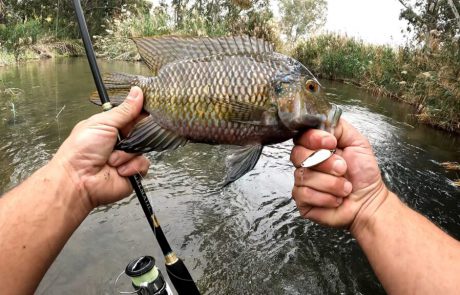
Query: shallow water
(244,239)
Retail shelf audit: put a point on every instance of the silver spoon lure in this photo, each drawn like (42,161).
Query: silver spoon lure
(317,158)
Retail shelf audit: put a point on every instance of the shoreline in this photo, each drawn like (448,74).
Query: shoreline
(373,90)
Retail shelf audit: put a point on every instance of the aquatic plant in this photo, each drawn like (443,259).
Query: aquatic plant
(12,94)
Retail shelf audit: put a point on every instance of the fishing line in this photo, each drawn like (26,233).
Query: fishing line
(124,292)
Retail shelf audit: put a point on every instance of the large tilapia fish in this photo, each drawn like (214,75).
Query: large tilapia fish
(227,90)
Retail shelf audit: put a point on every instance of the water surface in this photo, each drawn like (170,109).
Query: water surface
(245,239)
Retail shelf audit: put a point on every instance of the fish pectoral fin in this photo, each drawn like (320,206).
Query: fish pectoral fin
(242,112)
(240,161)
(149,136)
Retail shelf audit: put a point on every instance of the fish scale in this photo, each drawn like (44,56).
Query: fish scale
(219,78)
(226,90)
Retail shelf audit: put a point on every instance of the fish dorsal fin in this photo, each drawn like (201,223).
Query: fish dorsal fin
(148,136)
(159,51)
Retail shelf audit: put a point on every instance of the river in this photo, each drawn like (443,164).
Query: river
(247,238)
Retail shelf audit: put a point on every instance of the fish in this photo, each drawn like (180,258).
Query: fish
(235,91)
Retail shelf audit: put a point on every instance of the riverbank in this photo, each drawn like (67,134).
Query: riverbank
(44,49)
(421,79)
(427,78)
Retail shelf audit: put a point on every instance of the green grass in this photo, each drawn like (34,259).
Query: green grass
(429,80)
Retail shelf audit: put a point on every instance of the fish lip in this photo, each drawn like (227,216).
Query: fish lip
(332,119)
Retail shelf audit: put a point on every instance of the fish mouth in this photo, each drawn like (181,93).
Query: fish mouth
(332,119)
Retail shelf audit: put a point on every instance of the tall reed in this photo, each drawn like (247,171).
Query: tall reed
(427,79)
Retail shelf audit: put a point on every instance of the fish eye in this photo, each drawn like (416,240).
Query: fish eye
(312,86)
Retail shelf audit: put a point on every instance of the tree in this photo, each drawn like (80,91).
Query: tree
(299,17)
(61,14)
(432,19)
(2,12)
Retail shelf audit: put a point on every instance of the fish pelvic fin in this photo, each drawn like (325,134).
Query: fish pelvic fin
(240,161)
(118,86)
(160,51)
(147,136)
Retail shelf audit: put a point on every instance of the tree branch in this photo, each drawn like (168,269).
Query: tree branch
(455,11)
(408,7)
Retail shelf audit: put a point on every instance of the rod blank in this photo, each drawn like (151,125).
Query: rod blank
(177,271)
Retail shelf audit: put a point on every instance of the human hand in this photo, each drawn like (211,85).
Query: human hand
(98,172)
(341,191)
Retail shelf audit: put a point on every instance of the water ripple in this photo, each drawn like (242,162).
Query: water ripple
(246,238)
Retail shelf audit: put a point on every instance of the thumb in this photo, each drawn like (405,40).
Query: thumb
(126,112)
(348,136)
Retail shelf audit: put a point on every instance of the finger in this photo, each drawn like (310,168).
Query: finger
(118,158)
(126,112)
(139,164)
(323,216)
(307,196)
(127,129)
(303,210)
(299,154)
(315,139)
(348,136)
(335,165)
(326,183)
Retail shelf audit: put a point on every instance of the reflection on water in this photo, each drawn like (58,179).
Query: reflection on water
(244,239)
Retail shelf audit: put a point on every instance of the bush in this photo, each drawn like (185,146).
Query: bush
(14,36)
(430,80)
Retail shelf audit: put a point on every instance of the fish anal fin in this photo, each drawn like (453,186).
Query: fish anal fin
(147,136)
(240,161)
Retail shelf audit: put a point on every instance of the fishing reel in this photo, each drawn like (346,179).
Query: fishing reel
(146,278)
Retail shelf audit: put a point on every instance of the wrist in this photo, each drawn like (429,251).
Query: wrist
(70,185)
(371,210)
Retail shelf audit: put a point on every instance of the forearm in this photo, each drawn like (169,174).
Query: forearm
(36,220)
(408,253)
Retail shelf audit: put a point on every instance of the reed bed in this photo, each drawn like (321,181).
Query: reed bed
(428,78)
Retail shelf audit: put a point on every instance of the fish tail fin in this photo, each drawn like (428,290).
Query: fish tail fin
(118,86)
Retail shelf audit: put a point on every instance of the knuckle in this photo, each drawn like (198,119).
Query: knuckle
(305,195)
(293,155)
(124,108)
(300,174)
(146,164)
(297,174)
(304,211)
(338,186)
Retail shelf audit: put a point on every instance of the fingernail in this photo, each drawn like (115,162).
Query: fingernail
(347,187)
(339,201)
(134,93)
(339,166)
(327,142)
(122,169)
(113,159)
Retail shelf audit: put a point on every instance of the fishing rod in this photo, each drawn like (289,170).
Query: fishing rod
(177,271)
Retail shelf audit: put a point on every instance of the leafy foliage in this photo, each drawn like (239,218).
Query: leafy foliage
(430,82)
(302,16)
(60,16)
